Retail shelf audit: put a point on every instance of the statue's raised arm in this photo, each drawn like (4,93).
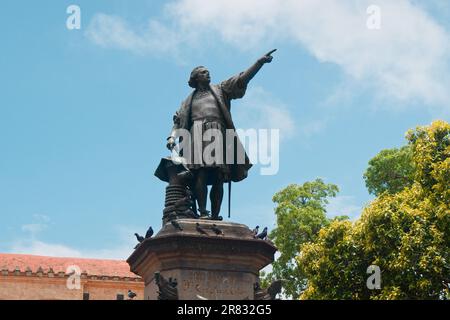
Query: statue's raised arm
(236,86)
(253,70)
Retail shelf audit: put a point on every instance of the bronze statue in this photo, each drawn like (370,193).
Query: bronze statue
(208,107)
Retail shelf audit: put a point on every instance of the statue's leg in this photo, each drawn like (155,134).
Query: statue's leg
(216,195)
(201,190)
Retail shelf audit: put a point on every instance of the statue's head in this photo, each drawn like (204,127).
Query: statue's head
(199,75)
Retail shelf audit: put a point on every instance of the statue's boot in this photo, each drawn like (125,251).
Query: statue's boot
(215,215)
(204,214)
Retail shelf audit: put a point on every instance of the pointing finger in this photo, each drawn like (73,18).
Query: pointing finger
(270,52)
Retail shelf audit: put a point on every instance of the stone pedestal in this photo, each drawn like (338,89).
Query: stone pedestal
(204,264)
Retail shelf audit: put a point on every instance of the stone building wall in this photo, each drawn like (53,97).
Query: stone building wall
(27,277)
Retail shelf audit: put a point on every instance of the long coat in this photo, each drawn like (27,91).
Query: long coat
(233,88)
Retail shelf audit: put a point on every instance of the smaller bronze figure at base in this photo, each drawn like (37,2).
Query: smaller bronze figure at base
(270,293)
(167,288)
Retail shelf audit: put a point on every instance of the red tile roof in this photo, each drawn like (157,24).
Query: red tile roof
(97,267)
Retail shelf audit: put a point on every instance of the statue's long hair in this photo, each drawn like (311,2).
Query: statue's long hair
(193,78)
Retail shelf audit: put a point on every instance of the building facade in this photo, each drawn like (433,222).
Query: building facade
(29,277)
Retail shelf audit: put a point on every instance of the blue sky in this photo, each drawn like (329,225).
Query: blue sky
(84,114)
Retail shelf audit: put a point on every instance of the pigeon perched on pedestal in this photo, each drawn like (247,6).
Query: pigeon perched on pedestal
(216,229)
(255,231)
(176,225)
(149,233)
(263,234)
(139,238)
(131,294)
(200,229)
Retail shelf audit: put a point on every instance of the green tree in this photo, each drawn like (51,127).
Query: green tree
(334,265)
(300,213)
(406,234)
(390,171)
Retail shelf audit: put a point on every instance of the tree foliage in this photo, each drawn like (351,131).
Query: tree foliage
(390,171)
(405,231)
(300,215)
(406,234)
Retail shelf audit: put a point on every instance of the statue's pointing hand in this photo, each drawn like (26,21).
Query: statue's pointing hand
(267,58)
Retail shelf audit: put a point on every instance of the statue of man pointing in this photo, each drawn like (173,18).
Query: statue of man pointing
(208,108)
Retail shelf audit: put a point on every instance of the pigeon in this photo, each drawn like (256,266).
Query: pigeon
(139,238)
(216,229)
(263,234)
(149,233)
(255,231)
(176,225)
(131,294)
(199,229)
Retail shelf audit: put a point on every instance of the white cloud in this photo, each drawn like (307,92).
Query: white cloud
(408,59)
(31,244)
(41,217)
(263,111)
(113,31)
(34,228)
(343,206)
(40,224)
(40,248)
(313,127)
(36,247)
